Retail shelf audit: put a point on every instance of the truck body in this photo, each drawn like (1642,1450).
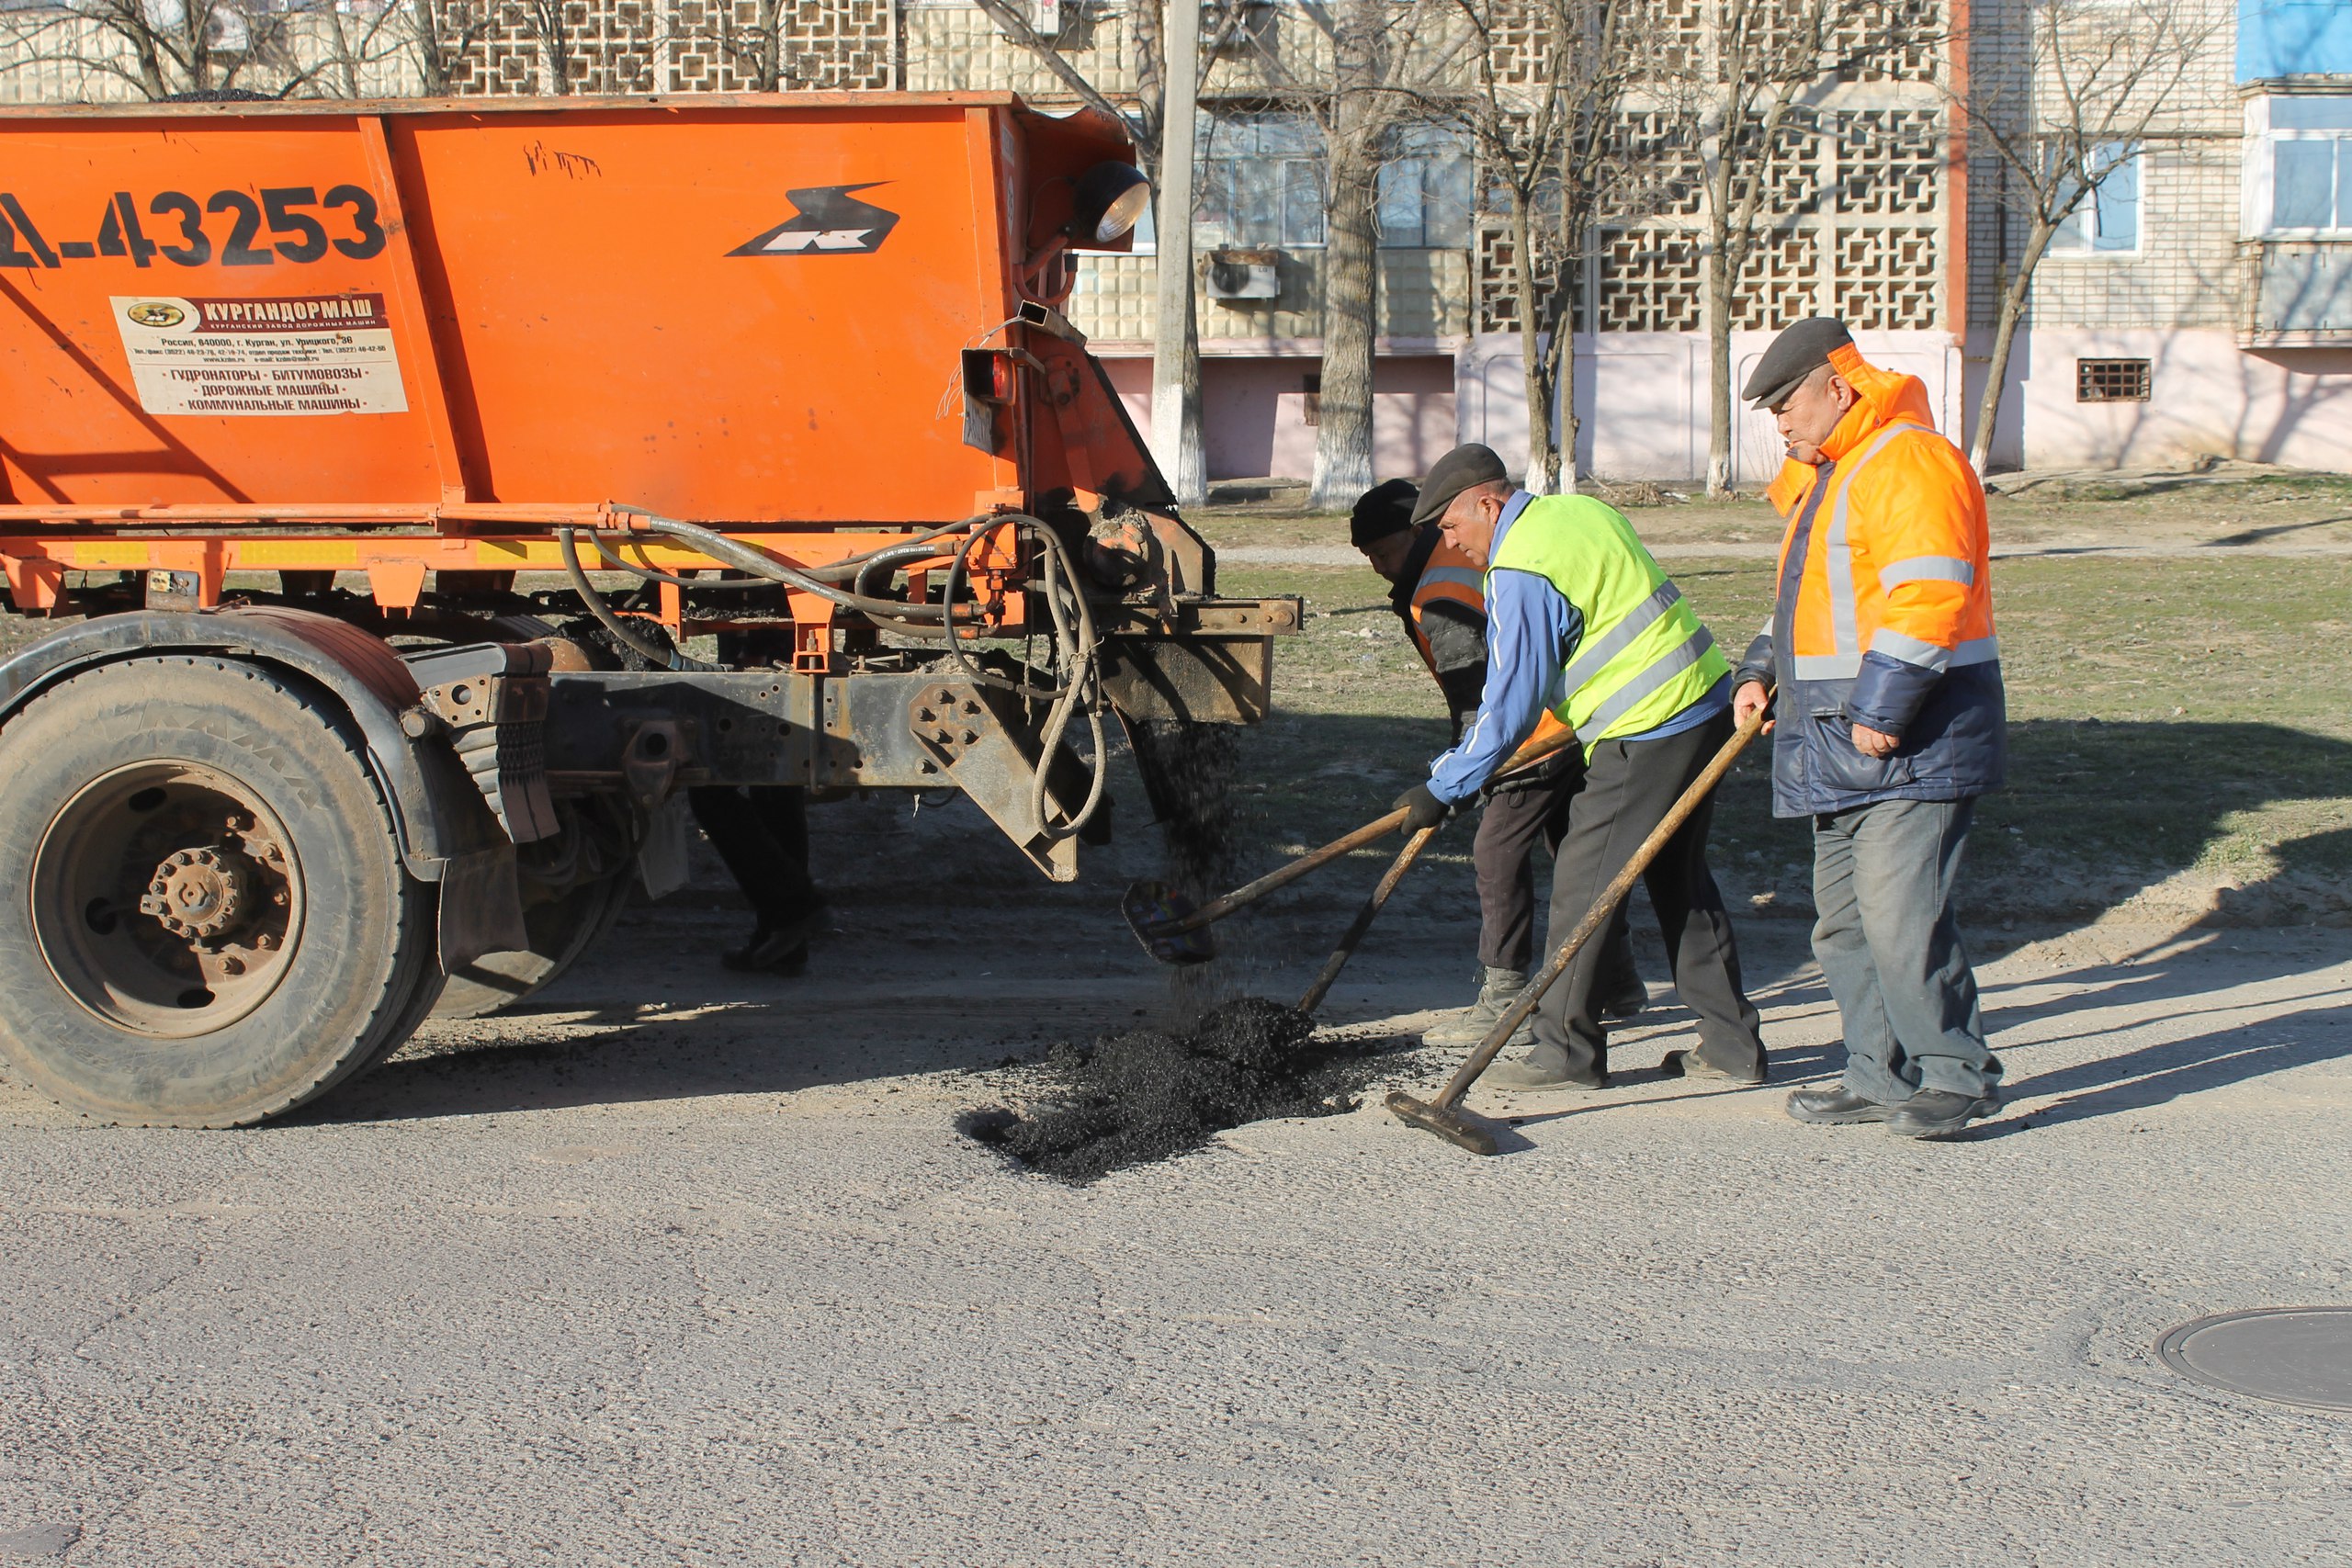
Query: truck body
(516,467)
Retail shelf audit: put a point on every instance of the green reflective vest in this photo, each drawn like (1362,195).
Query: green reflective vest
(1645,656)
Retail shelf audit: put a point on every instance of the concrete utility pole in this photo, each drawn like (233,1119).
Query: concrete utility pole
(1175,355)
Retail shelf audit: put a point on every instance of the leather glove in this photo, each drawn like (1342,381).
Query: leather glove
(1423,809)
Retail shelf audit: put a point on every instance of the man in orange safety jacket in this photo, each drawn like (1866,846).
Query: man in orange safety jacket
(1888,719)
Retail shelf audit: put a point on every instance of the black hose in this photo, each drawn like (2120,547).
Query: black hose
(1075,647)
(667,658)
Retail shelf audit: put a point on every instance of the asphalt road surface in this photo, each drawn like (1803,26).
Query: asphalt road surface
(680,1268)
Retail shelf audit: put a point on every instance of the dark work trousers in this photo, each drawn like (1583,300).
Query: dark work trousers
(1890,948)
(762,833)
(1515,819)
(1629,787)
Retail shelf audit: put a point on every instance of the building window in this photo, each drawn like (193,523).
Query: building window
(1261,181)
(1425,191)
(2310,143)
(2105,219)
(2110,380)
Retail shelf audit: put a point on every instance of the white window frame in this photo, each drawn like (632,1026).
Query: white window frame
(2086,210)
(2261,184)
(1208,153)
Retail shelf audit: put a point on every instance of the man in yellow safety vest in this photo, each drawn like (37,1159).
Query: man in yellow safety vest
(1582,623)
(1438,593)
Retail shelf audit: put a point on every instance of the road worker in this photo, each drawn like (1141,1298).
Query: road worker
(1437,592)
(1580,621)
(1888,720)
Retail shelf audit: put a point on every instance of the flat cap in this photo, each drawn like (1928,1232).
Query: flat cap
(1796,353)
(1382,510)
(1457,472)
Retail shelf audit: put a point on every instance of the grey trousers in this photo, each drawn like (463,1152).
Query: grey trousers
(1628,789)
(1889,947)
(1515,819)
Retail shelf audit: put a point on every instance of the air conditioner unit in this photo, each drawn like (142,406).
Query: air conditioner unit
(1245,276)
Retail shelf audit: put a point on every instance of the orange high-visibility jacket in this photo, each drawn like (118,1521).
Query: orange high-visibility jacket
(1883,615)
(1448,578)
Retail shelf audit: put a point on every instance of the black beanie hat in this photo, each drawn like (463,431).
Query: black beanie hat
(1381,510)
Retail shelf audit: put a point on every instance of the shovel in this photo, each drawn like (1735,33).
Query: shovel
(1174,930)
(1444,1115)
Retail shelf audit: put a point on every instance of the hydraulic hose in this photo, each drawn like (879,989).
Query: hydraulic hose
(1075,660)
(665,657)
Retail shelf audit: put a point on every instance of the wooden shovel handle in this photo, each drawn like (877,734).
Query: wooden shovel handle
(1526,757)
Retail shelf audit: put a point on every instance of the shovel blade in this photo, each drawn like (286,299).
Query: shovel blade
(1445,1120)
(1150,907)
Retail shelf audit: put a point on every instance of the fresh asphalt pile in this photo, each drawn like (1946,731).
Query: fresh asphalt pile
(1151,1094)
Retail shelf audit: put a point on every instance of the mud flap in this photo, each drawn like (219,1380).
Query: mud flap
(481,907)
(662,859)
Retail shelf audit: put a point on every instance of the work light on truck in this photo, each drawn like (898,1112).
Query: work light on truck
(1111,200)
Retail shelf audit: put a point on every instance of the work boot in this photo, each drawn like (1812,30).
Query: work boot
(1502,988)
(1689,1064)
(1529,1076)
(1938,1114)
(780,949)
(1837,1106)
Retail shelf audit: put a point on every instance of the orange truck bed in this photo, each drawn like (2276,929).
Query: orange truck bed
(716,308)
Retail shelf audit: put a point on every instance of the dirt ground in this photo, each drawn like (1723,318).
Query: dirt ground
(673,1264)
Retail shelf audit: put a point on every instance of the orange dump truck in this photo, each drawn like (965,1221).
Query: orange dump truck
(390,467)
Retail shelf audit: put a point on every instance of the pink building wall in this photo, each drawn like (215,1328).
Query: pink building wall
(2206,397)
(1253,413)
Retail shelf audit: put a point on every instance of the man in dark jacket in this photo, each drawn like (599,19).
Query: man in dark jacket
(1439,595)
(1889,720)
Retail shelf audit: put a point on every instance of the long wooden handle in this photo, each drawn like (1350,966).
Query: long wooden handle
(1598,916)
(1363,922)
(1215,909)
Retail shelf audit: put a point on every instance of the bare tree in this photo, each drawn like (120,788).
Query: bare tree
(1384,63)
(1743,102)
(1551,75)
(441,34)
(2064,120)
(164,48)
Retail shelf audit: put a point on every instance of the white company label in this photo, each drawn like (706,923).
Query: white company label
(315,355)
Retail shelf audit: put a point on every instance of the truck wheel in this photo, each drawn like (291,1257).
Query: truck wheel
(561,929)
(215,924)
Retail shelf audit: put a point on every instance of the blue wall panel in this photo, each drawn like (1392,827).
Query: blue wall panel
(2293,38)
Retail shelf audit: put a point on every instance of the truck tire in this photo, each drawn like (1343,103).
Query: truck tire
(214,923)
(561,931)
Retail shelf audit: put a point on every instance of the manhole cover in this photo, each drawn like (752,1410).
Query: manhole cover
(2294,1355)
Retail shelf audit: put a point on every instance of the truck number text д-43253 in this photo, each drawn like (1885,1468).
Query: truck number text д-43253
(302,226)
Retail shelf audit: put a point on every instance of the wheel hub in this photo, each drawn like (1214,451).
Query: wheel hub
(199,894)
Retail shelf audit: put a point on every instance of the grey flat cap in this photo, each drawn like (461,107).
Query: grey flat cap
(1451,475)
(1796,353)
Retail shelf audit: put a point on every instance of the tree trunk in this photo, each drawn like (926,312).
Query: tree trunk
(432,61)
(1351,308)
(1719,276)
(1535,365)
(2005,332)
